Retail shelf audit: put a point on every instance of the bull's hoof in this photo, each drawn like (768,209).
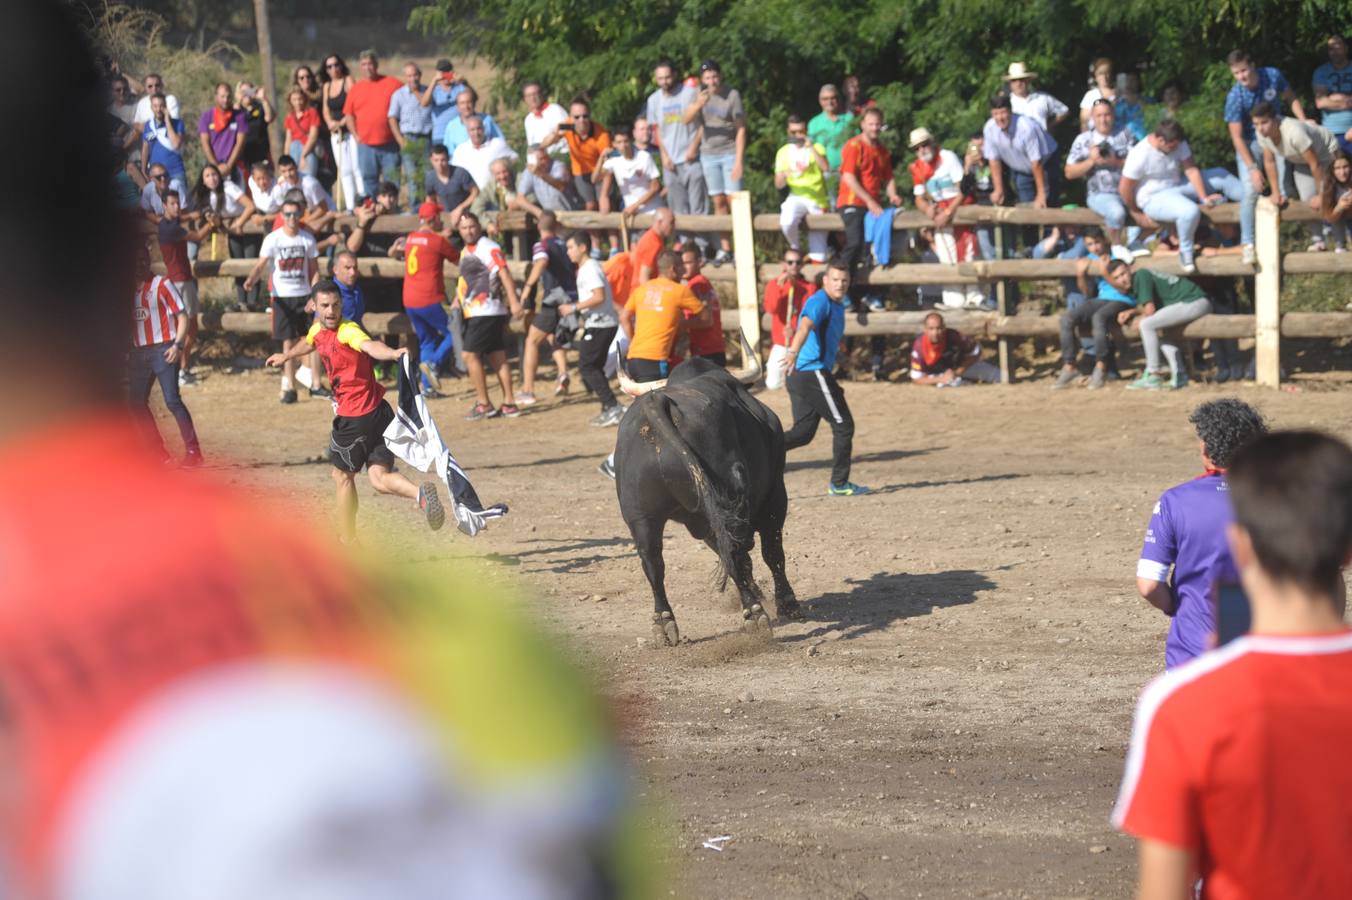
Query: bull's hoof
(755,618)
(665,630)
(790,608)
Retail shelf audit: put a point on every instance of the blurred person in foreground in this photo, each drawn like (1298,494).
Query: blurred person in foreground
(206,701)
(1237,768)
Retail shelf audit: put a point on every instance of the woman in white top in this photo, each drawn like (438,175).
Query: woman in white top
(228,207)
(1104,87)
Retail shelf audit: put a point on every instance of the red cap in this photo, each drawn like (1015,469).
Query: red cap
(429,209)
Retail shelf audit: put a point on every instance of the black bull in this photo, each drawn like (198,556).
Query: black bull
(705,453)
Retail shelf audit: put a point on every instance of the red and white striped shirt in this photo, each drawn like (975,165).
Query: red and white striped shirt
(154,312)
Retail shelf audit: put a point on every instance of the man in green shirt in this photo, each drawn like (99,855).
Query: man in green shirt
(1162,301)
(831,128)
(801,167)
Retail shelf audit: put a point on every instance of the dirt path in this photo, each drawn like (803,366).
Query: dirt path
(951,719)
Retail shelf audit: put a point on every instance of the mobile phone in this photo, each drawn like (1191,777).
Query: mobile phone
(1233,616)
(566,126)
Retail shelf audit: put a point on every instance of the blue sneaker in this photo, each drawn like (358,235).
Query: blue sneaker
(848,489)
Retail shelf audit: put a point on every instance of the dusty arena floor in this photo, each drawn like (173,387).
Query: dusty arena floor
(951,719)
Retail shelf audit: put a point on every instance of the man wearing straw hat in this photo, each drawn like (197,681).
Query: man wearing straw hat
(1025,101)
(937,174)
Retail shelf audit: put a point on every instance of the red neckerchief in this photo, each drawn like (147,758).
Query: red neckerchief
(1211,470)
(929,352)
(220,118)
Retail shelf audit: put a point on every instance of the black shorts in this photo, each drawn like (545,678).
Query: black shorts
(486,334)
(290,321)
(585,188)
(359,441)
(642,370)
(546,319)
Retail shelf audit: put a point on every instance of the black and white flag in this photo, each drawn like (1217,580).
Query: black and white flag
(413,437)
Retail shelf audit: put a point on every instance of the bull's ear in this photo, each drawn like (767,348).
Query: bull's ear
(751,372)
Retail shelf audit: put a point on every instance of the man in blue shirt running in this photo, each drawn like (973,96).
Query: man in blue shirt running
(809,360)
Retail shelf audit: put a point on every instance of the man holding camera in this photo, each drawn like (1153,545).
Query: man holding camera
(1237,771)
(1097,156)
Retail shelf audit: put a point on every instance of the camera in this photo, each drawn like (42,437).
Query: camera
(1104,150)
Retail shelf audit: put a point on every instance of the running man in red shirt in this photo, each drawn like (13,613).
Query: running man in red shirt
(425,253)
(159,329)
(361,413)
(1237,771)
(706,341)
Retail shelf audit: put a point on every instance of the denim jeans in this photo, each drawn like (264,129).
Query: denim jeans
(1249,199)
(1110,206)
(146,365)
(1179,206)
(433,329)
(376,164)
(309,165)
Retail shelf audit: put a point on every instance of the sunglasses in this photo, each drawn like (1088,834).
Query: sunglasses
(333,65)
(793,262)
(305,77)
(160,177)
(582,116)
(291,215)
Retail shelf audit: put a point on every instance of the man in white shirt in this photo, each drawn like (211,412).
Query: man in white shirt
(294,256)
(1306,149)
(633,172)
(318,203)
(542,118)
(154,84)
(476,155)
(152,195)
(1019,149)
(1161,183)
(1097,155)
(1025,101)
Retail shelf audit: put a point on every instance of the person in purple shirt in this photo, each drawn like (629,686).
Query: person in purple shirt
(222,130)
(1187,531)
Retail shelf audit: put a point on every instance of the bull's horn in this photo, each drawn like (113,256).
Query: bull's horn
(751,373)
(638,388)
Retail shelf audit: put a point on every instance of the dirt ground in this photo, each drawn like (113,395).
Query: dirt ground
(951,719)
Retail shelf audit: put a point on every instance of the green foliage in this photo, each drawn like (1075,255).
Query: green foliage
(925,62)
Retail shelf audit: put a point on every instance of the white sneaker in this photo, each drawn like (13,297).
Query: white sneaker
(1247,255)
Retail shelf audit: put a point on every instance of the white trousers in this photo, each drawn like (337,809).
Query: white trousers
(774,367)
(349,176)
(946,248)
(791,214)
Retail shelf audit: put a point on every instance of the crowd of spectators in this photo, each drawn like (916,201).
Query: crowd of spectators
(349,136)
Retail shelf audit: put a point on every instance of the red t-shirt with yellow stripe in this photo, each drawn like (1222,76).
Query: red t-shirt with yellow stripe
(355,389)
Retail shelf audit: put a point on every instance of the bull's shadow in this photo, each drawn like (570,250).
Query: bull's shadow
(875,602)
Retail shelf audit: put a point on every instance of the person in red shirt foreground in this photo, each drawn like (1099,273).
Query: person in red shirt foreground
(426,252)
(784,299)
(1237,771)
(358,437)
(706,341)
(159,330)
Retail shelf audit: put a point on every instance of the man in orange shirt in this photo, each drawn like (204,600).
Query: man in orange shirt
(426,252)
(366,114)
(588,142)
(627,271)
(653,317)
(1237,771)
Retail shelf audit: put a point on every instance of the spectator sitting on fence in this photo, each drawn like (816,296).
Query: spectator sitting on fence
(319,210)
(451,186)
(1101,313)
(411,123)
(1019,150)
(1163,301)
(1161,183)
(801,166)
(157,185)
(1336,203)
(1304,150)
(1252,85)
(502,196)
(542,116)
(1333,91)
(784,298)
(366,113)
(476,156)
(938,178)
(267,202)
(173,240)
(546,180)
(944,357)
(441,96)
(456,131)
(222,131)
(866,179)
(1097,156)
(162,140)
(1025,101)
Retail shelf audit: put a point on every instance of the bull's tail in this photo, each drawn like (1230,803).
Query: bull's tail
(689,481)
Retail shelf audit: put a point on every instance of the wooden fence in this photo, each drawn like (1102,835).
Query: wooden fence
(746,280)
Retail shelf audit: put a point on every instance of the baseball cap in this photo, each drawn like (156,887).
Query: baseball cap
(710,65)
(429,209)
(444,65)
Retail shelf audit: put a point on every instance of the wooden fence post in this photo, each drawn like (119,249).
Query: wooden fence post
(744,260)
(1267,290)
(1001,306)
